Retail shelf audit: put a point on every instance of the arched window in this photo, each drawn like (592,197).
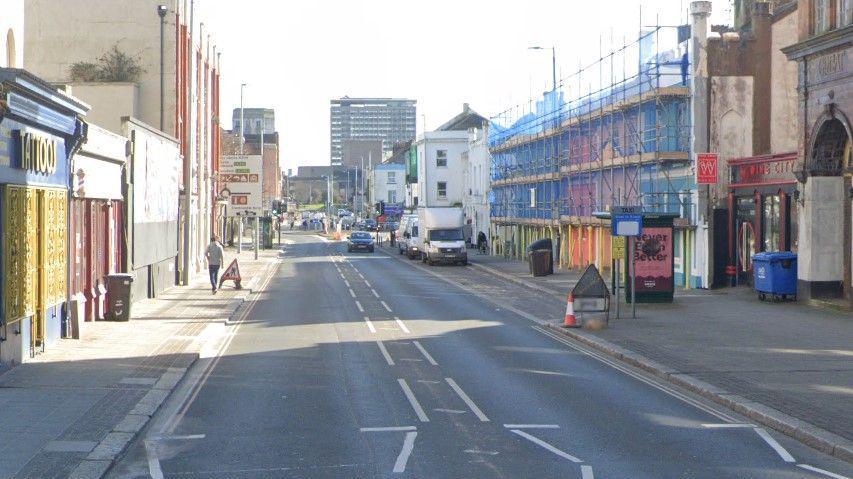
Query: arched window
(11,55)
(831,149)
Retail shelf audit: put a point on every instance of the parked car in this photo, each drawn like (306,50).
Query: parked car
(360,240)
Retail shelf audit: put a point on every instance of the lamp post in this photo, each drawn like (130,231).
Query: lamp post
(242,86)
(553,63)
(161,11)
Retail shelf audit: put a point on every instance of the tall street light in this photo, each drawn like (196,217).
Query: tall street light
(242,86)
(161,11)
(553,63)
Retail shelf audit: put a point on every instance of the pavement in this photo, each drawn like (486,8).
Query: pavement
(73,409)
(356,365)
(787,365)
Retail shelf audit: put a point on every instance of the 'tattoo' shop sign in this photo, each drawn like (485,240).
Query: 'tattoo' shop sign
(242,176)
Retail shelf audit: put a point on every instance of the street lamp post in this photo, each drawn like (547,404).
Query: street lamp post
(161,11)
(553,63)
(242,86)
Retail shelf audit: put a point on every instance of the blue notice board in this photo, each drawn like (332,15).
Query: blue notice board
(627,225)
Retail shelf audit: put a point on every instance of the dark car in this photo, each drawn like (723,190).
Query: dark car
(360,240)
(370,225)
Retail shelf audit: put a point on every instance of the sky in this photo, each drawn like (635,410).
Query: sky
(295,56)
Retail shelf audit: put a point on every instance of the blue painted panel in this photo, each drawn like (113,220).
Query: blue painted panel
(10,158)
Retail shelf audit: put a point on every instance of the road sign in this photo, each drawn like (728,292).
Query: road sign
(706,168)
(617,247)
(242,174)
(627,225)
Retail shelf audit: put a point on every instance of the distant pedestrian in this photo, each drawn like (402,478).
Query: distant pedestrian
(291,225)
(215,255)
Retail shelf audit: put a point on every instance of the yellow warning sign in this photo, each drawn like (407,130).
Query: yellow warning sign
(617,246)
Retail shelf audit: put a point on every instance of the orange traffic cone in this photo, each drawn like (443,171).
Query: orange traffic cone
(570,321)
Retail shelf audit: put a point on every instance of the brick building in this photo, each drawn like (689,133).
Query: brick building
(823,172)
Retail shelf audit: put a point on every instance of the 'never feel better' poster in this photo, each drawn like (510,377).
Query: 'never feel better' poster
(653,257)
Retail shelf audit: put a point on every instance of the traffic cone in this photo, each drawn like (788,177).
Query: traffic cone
(570,321)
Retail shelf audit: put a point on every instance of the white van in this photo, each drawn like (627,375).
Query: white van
(401,239)
(442,236)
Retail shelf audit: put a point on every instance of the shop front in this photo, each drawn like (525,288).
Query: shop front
(39,131)
(761,210)
(96,221)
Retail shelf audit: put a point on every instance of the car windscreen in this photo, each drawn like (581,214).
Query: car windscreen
(360,236)
(446,235)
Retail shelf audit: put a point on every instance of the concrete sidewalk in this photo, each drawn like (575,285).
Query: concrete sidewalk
(71,410)
(787,365)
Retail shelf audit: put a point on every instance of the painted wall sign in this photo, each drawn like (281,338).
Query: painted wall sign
(38,153)
(828,67)
(653,257)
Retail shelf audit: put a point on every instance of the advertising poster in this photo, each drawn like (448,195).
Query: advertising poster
(653,256)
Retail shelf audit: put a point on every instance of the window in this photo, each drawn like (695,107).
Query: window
(442,190)
(440,158)
(821,16)
(392,196)
(392,177)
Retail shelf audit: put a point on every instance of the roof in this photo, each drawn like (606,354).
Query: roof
(461,122)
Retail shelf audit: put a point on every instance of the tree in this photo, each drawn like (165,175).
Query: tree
(113,66)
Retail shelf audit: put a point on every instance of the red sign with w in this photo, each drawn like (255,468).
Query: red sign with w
(706,168)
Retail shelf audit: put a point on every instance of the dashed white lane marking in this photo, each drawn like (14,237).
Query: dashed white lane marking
(387,308)
(374,292)
(784,454)
(352,293)
(413,400)
(467,400)
(450,411)
(425,353)
(385,353)
(358,305)
(541,443)
(427,381)
(531,426)
(727,426)
(180,438)
(408,445)
(369,324)
(586,472)
(342,276)
(347,284)
(822,471)
(359,274)
(367,283)
(154,469)
(479,451)
(402,325)
(389,428)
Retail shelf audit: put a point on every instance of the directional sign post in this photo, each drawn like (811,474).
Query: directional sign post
(628,221)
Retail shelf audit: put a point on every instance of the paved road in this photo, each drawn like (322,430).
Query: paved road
(360,365)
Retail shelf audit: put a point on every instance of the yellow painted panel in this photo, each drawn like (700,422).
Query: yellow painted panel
(20,251)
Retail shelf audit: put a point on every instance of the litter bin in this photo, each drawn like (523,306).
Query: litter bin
(775,274)
(118,296)
(540,257)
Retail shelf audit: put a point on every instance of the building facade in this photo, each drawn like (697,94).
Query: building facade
(190,100)
(40,130)
(476,164)
(12,34)
(823,161)
(388,119)
(255,120)
(387,183)
(439,167)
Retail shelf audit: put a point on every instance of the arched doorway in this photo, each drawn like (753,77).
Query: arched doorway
(830,157)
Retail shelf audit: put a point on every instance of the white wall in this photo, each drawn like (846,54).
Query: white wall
(109,102)
(783,87)
(476,182)
(379,185)
(11,33)
(429,175)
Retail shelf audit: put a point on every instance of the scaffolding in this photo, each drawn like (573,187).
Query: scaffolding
(622,137)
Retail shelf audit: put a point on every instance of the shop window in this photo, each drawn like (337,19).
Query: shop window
(772,223)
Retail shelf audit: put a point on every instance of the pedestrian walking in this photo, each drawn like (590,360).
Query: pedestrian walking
(215,255)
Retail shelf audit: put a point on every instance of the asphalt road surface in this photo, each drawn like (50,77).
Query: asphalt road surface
(370,365)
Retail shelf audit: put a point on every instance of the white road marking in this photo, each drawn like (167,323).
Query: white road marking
(408,445)
(385,353)
(386,306)
(180,438)
(427,381)
(402,326)
(531,426)
(412,360)
(352,293)
(586,472)
(822,471)
(359,274)
(347,283)
(389,428)
(413,400)
(374,292)
(425,353)
(154,469)
(450,411)
(785,455)
(478,451)
(369,324)
(367,283)
(473,407)
(342,276)
(727,426)
(359,306)
(541,443)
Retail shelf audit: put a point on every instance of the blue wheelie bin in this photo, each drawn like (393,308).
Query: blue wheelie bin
(775,274)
